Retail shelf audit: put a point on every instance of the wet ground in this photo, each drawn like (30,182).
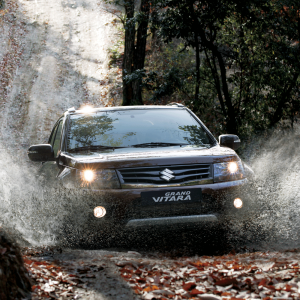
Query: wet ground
(180,265)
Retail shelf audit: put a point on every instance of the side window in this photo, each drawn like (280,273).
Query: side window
(55,137)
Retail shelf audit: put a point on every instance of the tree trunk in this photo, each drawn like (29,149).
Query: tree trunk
(214,71)
(231,123)
(140,51)
(128,52)
(283,100)
(197,67)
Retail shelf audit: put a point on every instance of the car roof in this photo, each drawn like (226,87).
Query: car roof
(135,107)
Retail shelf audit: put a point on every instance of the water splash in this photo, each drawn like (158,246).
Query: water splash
(276,163)
(32,213)
(37,215)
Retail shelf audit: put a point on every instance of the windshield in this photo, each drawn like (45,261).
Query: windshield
(129,128)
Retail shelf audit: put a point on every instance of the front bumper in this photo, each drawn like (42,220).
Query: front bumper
(124,206)
(171,221)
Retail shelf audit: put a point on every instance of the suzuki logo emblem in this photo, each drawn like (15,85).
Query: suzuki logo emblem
(167,175)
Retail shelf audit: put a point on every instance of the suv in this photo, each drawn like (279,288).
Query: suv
(145,167)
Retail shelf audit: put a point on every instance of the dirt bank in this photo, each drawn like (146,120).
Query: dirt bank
(53,55)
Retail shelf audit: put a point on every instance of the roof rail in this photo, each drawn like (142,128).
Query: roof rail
(175,104)
(72,109)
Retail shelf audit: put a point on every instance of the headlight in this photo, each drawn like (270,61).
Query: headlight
(228,171)
(98,179)
(90,179)
(88,175)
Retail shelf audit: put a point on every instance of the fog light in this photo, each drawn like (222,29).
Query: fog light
(238,203)
(99,211)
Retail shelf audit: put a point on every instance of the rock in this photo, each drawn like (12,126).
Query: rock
(14,279)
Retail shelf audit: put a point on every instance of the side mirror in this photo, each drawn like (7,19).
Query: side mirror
(42,152)
(229,140)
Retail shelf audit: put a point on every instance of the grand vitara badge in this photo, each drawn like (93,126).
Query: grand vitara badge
(171,196)
(167,175)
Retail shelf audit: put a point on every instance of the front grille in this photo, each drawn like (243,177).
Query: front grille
(179,174)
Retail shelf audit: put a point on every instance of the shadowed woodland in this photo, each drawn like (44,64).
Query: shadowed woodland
(235,64)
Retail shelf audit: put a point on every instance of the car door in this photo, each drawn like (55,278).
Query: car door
(49,169)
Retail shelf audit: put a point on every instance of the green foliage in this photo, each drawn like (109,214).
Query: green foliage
(115,54)
(249,53)
(168,71)
(234,63)
(164,84)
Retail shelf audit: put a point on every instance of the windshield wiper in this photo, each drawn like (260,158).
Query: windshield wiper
(158,144)
(93,147)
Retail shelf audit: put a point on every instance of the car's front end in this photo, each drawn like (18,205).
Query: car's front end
(156,167)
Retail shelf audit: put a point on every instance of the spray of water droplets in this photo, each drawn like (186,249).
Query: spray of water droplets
(275,161)
(35,212)
(38,215)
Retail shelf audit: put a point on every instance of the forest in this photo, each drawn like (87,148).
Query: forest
(235,64)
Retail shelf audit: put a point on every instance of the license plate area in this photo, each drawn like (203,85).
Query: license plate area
(174,197)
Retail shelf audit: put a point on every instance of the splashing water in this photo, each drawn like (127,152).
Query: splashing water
(24,211)
(31,213)
(36,215)
(277,172)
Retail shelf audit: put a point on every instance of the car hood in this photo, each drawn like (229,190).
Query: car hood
(133,157)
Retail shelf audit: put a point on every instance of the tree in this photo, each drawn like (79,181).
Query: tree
(135,21)
(140,49)
(282,61)
(198,23)
(128,58)
(249,57)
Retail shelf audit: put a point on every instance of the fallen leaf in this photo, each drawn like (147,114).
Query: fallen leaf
(226,281)
(195,292)
(189,286)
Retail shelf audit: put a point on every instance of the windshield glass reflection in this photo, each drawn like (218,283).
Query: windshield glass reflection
(132,127)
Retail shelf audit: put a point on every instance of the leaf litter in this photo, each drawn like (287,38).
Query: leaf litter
(258,275)
(54,279)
